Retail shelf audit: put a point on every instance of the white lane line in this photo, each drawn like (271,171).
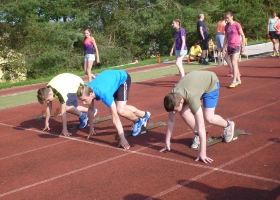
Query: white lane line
(63,175)
(32,150)
(219,169)
(109,147)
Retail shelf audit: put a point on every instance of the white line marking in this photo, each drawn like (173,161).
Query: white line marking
(219,169)
(62,175)
(105,161)
(24,152)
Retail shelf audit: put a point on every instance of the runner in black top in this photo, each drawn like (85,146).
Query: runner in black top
(203,37)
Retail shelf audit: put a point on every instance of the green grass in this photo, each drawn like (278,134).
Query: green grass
(252,42)
(80,73)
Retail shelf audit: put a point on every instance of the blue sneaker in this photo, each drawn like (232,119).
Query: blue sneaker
(137,127)
(146,117)
(83,120)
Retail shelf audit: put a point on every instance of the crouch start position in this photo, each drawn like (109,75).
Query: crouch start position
(185,99)
(112,88)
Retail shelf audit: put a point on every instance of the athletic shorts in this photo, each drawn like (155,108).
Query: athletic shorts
(204,44)
(89,57)
(177,52)
(278,36)
(123,91)
(272,35)
(72,100)
(220,40)
(210,99)
(233,50)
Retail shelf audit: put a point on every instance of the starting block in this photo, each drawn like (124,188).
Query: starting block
(96,121)
(43,114)
(151,125)
(215,140)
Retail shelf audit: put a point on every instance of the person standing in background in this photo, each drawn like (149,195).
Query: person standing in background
(90,48)
(233,46)
(203,37)
(276,26)
(220,36)
(271,32)
(179,45)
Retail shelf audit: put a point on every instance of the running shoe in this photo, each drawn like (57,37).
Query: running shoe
(205,62)
(230,74)
(195,142)
(233,84)
(137,127)
(238,82)
(83,120)
(146,118)
(229,131)
(273,55)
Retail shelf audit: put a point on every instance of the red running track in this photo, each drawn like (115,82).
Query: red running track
(40,165)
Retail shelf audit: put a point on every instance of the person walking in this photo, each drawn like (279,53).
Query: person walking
(179,45)
(233,46)
(271,32)
(90,48)
(220,37)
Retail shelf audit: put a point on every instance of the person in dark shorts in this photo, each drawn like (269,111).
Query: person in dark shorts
(202,33)
(271,32)
(112,88)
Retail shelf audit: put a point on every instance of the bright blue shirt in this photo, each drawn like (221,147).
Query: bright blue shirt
(106,84)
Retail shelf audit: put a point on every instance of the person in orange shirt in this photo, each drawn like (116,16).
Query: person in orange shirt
(220,36)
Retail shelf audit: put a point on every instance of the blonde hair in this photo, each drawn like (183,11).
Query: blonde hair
(84,90)
(178,21)
(42,94)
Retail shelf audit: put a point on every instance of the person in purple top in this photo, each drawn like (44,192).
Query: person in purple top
(179,45)
(89,48)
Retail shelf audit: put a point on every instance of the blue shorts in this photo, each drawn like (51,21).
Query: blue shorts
(177,52)
(210,99)
(220,40)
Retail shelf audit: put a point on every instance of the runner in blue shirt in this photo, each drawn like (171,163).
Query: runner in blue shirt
(112,88)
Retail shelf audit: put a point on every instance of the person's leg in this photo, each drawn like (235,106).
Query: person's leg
(89,66)
(129,112)
(188,117)
(276,46)
(179,63)
(219,56)
(226,58)
(234,60)
(212,118)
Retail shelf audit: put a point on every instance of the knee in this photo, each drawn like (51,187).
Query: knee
(209,119)
(120,111)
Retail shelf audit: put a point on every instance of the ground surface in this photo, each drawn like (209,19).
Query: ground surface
(40,165)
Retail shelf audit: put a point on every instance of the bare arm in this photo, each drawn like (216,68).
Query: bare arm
(276,23)
(64,120)
(243,39)
(90,119)
(183,43)
(97,52)
(48,115)
(169,130)
(202,136)
(118,125)
(172,49)
(268,26)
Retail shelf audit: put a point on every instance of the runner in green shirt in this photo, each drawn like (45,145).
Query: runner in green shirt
(185,99)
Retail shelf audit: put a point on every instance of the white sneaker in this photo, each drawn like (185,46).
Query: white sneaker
(196,142)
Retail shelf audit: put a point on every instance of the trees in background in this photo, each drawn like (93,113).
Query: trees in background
(48,33)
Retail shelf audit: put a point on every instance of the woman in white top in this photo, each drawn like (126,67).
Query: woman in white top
(271,32)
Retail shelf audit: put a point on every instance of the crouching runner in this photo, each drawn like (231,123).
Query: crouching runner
(112,88)
(185,99)
(64,87)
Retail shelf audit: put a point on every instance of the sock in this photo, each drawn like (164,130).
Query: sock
(228,124)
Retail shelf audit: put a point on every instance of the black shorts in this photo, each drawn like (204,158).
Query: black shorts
(122,92)
(233,50)
(278,36)
(204,44)
(272,35)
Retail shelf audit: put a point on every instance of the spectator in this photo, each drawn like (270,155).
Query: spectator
(271,32)
(202,33)
(195,52)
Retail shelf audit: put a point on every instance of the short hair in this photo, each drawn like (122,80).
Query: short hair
(171,101)
(200,15)
(197,43)
(272,12)
(229,13)
(42,94)
(83,89)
